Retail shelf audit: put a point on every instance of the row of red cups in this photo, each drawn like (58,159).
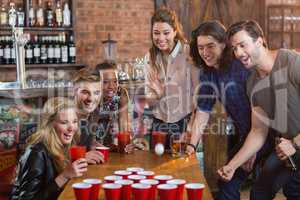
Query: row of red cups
(146,190)
(140,182)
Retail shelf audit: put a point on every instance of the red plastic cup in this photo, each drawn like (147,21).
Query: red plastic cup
(135,170)
(158,137)
(194,191)
(180,187)
(104,151)
(77,152)
(167,191)
(136,178)
(123,173)
(126,189)
(140,191)
(112,179)
(82,191)
(96,185)
(112,191)
(153,184)
(163,178)
(148,174)
(123,141)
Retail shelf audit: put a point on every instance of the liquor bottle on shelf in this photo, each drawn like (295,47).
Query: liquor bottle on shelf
(44,54)
(12,14)
(72,50)
(40,18)
(50,50)
(1,49)
(58,14)
(29,52)
(3,15)
(64,50)
(21,17)
(12,52)
(7,51)
(31,14)
(57,50)
(36,51)
(49,15)
(67,15)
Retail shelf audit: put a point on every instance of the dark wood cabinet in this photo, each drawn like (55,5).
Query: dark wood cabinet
(283,26)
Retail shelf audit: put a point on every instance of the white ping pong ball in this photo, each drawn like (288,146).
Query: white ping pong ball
(159,149)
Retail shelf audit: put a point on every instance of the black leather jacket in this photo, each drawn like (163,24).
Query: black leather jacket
(35,176)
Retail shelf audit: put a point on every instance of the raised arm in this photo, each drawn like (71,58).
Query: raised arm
(253,143)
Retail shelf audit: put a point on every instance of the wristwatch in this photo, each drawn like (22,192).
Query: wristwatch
(295,145)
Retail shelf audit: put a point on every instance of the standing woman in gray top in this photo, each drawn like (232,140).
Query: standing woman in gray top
(170,75)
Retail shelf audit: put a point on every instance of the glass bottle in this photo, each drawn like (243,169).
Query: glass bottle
(3,15)
(1,50)
(44,55)
(12,14)
(57,51)
(31,14)
(7,51)
(40,19)
(58,14)
(21,17)
(29,52)
(49,15)
(12,51)
(36,51)
(50,50)
(72,50)
(66,15)
(64,50)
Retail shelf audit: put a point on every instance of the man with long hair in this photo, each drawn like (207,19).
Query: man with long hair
(223,78)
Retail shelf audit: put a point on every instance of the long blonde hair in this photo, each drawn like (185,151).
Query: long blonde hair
(47,134)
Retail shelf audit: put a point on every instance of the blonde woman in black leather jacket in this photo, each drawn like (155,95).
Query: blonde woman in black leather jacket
(45,167)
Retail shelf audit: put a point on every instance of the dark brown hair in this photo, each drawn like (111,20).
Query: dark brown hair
(251,27)
(216,30)
(168,16)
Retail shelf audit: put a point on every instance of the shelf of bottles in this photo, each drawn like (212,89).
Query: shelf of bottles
(41,49)
(284,24)
(50,32)
(38,17)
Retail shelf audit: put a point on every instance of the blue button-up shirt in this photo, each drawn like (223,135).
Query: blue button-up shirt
(229,87)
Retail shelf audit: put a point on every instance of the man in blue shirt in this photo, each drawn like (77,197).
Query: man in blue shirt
(222,78)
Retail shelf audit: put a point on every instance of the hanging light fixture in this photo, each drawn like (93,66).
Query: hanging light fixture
(110,49)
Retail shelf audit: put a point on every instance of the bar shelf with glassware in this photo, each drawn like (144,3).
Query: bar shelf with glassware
(50,30)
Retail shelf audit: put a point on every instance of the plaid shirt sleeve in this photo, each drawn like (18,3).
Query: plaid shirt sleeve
(206,92)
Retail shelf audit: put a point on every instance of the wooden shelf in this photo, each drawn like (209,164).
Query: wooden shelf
(41,66)
(36,92)
(40,29)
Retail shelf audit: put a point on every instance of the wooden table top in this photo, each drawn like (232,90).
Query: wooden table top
(187,168)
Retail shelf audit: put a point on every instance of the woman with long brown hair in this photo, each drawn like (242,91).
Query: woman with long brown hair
(170,74)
